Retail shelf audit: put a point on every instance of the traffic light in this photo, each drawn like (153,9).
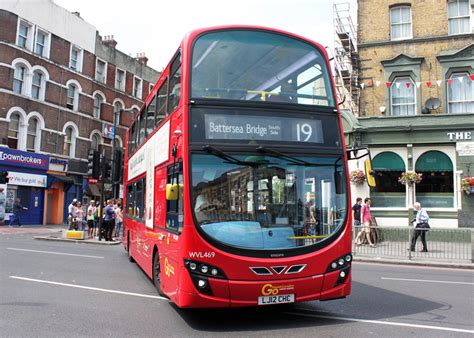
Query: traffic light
(118,166)
(107,169)
(93,167)
(3,177)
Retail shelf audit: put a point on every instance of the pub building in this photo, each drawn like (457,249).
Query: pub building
(439,147)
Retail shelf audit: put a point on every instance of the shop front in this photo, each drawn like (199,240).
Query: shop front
(439,148)
(58,184)
(27,182)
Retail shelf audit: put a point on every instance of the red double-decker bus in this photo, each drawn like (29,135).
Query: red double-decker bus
(236,185)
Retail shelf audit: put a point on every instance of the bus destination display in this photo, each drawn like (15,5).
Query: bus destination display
(239,127)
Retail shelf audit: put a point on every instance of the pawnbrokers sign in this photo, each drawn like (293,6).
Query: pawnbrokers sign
(24,159)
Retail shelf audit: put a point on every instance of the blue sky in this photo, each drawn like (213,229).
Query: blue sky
(157,27)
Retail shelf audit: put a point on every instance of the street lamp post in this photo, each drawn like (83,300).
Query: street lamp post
(115,187)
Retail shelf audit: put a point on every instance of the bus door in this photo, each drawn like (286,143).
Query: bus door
(173,225)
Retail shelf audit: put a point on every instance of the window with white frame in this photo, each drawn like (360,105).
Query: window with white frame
(120,79)
(460,94)
(14,130)
(72,97)
(75,59)
(42,43)
(32,135)
(98,101)
(37,85)
(19,76)
(24,36)
(400,23)
(402,97)
(69,142)
(118,107)
(137,87)
(100,70)
(459,17)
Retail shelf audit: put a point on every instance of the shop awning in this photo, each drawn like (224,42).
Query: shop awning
(434,161)
(388,161)
(92,190)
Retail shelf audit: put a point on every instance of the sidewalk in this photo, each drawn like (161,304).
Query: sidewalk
(52,232)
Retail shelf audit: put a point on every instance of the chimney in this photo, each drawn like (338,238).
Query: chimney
(109,41)
(142,58)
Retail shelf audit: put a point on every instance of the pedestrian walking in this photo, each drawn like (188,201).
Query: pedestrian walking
(118,219)
(364,234)
(421,228)
(109,220)
(17,209)
(356,211)
(91,218)
(79,217)
(71,210)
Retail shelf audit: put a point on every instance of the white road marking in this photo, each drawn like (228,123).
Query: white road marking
(426,281)
(88,288)
(54,253)
(381,322)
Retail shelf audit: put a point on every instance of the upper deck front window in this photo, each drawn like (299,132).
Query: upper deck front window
(253,65)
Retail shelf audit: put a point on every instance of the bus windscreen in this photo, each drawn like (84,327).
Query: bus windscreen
(252,65)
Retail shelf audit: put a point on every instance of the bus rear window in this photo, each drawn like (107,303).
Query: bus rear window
(259,66)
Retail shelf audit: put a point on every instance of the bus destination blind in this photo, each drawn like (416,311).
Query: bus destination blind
(286,129)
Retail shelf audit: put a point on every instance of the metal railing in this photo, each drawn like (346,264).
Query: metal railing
(396,242)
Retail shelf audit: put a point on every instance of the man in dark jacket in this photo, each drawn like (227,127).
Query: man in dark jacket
(17,208)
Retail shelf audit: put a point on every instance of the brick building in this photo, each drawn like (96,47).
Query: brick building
(417,106)
(62,88)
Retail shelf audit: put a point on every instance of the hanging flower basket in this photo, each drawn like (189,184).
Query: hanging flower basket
(357,176)
(410,177)
(467,184)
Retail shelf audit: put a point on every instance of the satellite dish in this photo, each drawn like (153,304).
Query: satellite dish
(432,103)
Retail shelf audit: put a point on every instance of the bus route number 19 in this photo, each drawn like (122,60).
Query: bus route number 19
(303,132)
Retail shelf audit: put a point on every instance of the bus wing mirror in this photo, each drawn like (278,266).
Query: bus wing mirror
(356,153)
(171,192)
(369,173)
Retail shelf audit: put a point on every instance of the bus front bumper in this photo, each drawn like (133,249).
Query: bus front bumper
(233,293)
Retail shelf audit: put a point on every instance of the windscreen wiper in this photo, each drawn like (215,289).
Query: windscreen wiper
(289,158)
(229,158)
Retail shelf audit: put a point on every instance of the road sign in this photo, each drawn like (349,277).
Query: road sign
(92,180)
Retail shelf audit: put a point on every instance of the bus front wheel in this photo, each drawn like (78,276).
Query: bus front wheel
(157,273)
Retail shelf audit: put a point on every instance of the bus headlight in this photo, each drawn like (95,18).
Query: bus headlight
(204,268)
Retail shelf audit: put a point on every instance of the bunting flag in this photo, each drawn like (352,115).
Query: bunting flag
(418,84)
